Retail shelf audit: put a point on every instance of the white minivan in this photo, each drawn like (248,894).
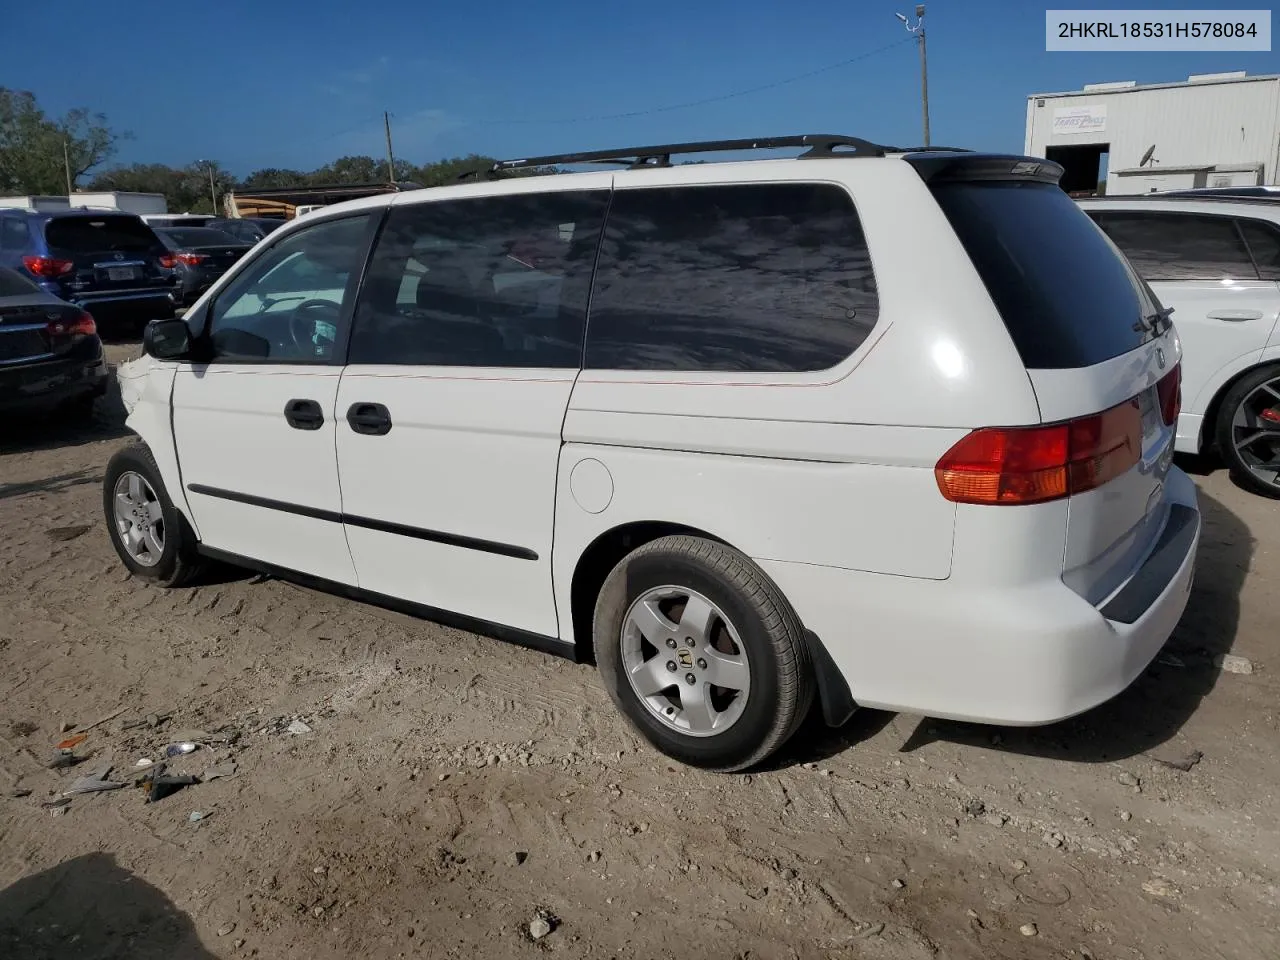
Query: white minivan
(861,427)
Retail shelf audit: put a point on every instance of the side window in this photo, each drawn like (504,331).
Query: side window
(289,305)
(1179,246)
(1264,243)
(752,277)
(483,282)
(13,234)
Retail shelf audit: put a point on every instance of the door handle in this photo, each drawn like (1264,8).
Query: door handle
(369,418)
(304,414)
(1236,316)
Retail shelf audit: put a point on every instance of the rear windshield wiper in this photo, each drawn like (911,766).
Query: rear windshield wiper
(1152,322)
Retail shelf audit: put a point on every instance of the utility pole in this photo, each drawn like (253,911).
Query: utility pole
(213,191)
(918,30)
(391,160)
(66,163)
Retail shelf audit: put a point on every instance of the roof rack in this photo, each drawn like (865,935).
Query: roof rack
(635,158)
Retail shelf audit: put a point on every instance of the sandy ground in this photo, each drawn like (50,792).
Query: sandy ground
(452,789)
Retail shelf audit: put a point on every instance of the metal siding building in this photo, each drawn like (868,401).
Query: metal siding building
(1211,130)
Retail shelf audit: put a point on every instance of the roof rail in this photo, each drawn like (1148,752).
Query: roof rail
(1182,197)
(819,144)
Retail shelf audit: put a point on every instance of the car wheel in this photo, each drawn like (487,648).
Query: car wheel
(1248,431)
(149,533)
(700,651)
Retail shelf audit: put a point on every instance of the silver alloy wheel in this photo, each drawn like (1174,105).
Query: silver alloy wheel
(139,519)
(685,661)
(1255,431)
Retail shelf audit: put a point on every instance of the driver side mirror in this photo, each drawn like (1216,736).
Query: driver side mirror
(166,339)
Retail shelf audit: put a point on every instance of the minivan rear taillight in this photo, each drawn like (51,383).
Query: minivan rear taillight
(1170,392)
(48,267)
(1020,465)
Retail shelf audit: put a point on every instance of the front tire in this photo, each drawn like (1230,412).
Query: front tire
(702,654)
(1248,431)
(151,536)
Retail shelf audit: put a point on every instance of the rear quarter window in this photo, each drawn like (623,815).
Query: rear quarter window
(1067,295)
(751,277)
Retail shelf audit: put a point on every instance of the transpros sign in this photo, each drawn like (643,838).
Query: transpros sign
(1087,119)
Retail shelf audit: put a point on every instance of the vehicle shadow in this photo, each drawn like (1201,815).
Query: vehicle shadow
(1148,714)
(90,908)
(47,430)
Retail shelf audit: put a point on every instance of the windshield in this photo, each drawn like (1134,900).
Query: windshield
(13,284)
(98,234)
(198,237)
(1067,295)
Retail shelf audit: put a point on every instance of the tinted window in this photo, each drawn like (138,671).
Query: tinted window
(1264,243)
(289,304)
(198,237)
(486,282)
(1066,296)
(14,284)
(754,277)
(1179,246)
(13,234)
(99,235)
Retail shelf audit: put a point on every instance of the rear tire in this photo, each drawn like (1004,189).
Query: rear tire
(1248,443)
(682,611)
(150,534)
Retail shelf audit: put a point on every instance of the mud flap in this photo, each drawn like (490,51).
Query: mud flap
(833,690)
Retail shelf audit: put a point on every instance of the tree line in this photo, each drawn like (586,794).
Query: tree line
(40,153)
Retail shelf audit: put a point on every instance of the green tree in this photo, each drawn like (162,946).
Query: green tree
(32,144)
(273,178)
(185,189)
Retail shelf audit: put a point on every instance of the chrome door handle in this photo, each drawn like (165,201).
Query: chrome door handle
(1236,316)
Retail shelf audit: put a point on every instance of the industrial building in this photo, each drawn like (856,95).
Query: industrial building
(1211,130)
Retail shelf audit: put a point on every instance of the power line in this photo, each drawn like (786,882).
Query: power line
(705,100)
(630,114)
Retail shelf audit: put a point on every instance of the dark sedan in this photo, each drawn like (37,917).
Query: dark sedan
(200,256)
(50,354)
(247,229)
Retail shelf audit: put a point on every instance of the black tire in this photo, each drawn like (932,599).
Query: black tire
(781,675)
(179,563)
(1224,440)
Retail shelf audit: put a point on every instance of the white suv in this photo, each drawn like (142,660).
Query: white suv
(871,426)
(1216,263)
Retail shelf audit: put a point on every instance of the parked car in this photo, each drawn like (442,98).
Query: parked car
(111,264)
(1216,263)
(50,354)
(202,255)
(246,229)
(765,473)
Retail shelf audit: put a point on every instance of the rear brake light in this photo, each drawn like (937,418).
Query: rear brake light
(48,267)
(192,259)
(168,260)
(1020,465)
(1170,391)
(81,326)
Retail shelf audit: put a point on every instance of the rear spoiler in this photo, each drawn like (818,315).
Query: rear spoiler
(965,167)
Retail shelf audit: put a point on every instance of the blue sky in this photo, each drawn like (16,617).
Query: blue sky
(295,83)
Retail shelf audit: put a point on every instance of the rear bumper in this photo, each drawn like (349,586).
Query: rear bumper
(52,382)
(1027,655)
(161,298)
